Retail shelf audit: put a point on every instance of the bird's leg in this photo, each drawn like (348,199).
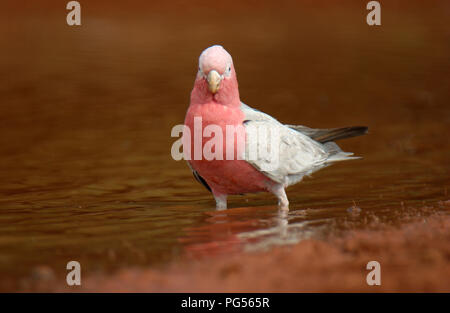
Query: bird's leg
(278,191)
(221,201)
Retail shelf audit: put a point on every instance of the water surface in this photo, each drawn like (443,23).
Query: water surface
(85,117)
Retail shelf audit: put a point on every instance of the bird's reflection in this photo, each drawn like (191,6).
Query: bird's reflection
(246,228)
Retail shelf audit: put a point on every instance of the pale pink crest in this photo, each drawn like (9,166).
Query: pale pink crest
(215,58)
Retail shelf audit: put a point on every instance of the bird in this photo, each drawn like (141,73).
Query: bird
(215,101)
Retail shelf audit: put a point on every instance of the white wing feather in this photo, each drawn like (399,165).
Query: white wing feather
(298,154)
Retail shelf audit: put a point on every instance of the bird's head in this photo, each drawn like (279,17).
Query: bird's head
(216,77)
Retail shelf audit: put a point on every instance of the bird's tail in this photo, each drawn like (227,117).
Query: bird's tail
(336,154)
(324,135)
(342,133)
(327,136)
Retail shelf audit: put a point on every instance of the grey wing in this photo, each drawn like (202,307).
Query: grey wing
(289,158)
(330,134)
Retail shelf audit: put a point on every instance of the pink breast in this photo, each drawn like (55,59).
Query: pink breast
(223,176)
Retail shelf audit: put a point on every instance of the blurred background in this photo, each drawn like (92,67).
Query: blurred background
(86,112)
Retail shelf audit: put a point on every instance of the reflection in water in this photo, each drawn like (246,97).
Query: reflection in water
(286,228)
(86,114)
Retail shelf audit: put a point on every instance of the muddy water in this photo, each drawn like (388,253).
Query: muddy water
(85,117)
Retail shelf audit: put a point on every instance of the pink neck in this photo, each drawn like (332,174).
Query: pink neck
(228,93)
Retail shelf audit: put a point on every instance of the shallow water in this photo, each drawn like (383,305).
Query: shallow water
(86,172)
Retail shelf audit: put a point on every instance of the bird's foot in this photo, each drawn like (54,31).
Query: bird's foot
(221,207)
(283,204)
(221,202)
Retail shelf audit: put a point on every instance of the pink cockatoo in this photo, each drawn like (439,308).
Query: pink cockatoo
(301,150)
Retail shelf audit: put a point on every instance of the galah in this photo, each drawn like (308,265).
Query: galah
(301,150)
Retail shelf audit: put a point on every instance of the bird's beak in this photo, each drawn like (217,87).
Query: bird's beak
(214,80)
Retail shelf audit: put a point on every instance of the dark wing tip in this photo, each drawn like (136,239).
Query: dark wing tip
(340,133)
(363,129)
(201,180)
